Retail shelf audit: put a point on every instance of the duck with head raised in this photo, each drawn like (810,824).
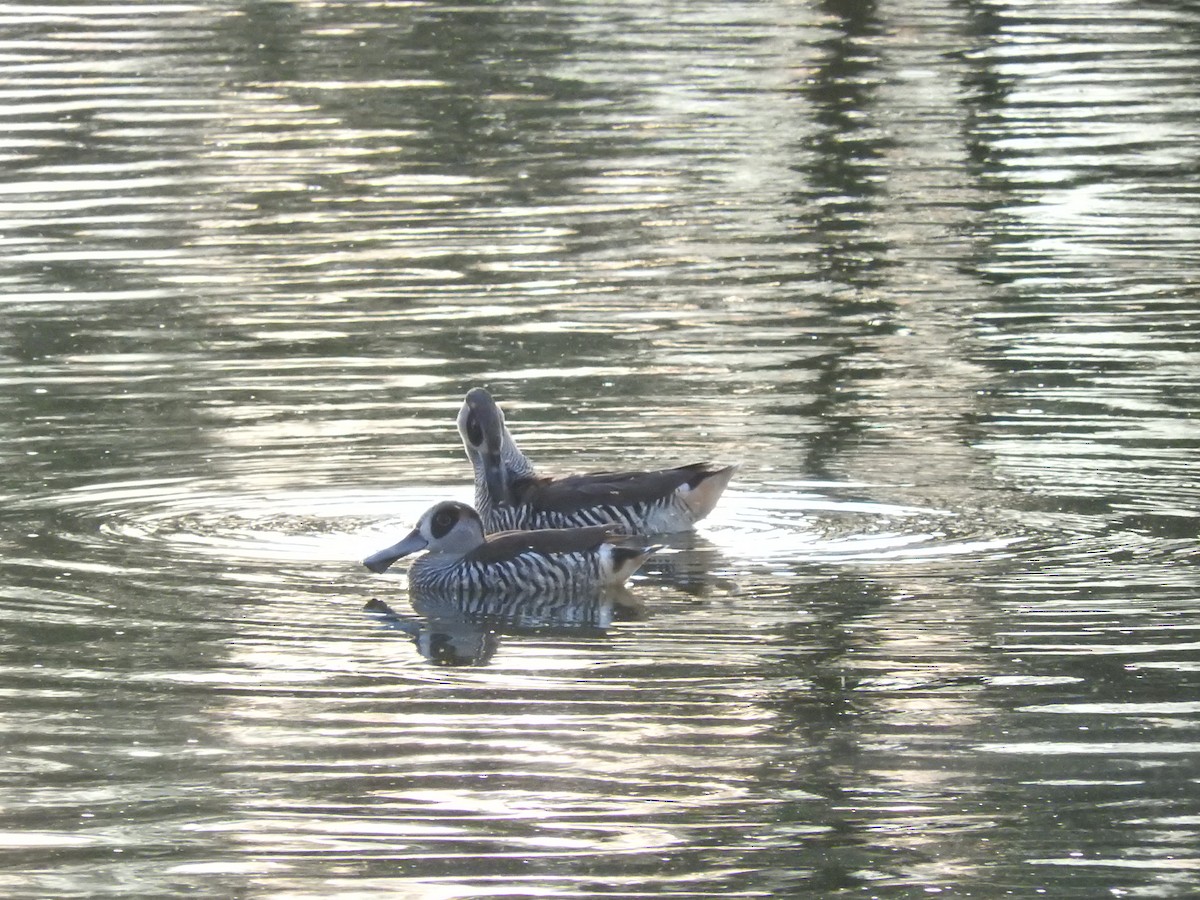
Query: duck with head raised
(461,561)
(510,494)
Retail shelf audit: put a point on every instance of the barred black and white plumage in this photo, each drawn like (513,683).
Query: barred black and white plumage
(461,562)
(510,494)
(628,519)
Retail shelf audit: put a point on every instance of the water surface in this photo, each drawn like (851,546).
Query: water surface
(927,272)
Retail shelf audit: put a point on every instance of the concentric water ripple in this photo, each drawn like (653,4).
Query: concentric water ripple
(792,523)
(208,520)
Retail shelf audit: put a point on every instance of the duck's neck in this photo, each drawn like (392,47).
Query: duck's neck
(515,463)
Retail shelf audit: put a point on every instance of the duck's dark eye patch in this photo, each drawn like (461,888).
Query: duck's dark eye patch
(442,523)
(474,431)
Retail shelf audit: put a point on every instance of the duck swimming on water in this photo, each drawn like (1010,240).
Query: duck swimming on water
(462,562)
(510,494)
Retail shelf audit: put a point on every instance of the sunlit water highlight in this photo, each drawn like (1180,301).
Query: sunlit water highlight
(925,271)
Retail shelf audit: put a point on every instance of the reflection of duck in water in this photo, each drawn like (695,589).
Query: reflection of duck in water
(461,562)
(692,564)
(450,632)
(509,494)
(443,642)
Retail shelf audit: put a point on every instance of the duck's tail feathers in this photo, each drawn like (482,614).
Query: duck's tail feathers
(628,556)
(701,493)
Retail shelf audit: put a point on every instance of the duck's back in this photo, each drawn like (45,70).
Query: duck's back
(532,563)
(655,502)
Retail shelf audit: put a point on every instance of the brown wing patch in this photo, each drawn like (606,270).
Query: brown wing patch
(508,544)
(574,492)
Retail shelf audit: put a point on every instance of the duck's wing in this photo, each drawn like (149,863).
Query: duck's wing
(508,544)
(574,492)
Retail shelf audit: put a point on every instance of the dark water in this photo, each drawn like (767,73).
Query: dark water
(928,271)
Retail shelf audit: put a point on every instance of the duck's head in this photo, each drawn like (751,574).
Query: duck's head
(450,528)
(490,447)
(481,424)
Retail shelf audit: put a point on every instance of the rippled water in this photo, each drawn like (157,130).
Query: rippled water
(926,271)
